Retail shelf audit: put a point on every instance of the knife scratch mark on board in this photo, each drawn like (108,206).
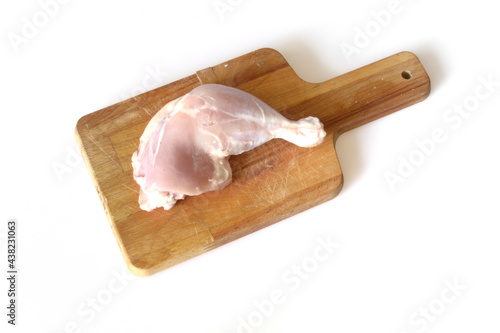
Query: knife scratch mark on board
(111,158)
(196,230)
(146,110)
(286,183)
(194,224)
(311,167)
(130,188)
(208,230)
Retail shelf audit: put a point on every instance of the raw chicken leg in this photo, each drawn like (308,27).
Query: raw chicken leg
(185,147)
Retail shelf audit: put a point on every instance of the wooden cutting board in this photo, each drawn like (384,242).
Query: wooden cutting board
(270,183)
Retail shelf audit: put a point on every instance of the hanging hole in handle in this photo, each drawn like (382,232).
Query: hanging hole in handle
(406,75)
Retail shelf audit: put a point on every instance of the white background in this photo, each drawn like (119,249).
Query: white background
(399,249)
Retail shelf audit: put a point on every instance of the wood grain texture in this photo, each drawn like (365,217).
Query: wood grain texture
(270,183)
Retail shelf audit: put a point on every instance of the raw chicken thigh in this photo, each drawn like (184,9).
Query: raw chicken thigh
(186,145)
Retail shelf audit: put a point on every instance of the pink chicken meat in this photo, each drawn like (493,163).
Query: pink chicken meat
(185,148)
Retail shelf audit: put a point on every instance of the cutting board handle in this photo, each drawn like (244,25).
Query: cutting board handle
(381,88)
